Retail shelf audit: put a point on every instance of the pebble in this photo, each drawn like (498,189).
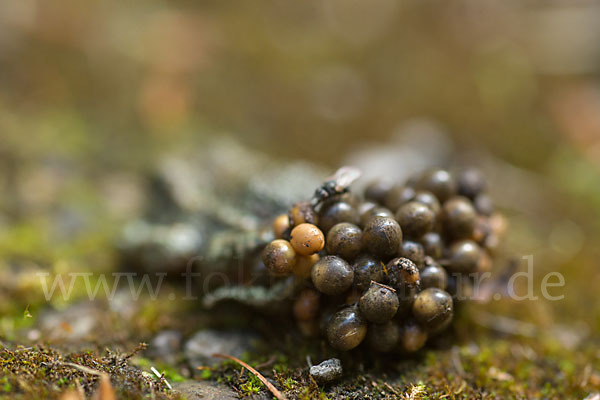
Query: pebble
(165,345)
(204,390)
(203,344)
(77,322)
(327,371)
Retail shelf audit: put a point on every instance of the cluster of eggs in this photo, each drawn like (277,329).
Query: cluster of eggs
(386,267)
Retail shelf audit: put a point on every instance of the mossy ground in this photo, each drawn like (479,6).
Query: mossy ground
(42,372)
(471,361)
(500,349)
(497,369)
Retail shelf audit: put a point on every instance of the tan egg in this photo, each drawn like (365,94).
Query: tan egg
(307,239)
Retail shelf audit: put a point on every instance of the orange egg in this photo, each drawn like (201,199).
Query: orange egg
(307,239)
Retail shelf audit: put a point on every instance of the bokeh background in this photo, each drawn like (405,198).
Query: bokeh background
(94,93)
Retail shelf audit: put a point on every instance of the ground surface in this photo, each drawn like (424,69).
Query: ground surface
(497,348)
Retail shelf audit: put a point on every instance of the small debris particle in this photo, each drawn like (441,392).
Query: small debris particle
(499,375)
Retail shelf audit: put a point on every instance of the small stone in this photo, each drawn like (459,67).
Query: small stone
(165,345)
(327,371)
(204,390)
(77,322)
(200,347)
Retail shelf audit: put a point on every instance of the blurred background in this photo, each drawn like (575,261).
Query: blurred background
(94,94)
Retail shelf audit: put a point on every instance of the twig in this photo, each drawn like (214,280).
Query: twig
(384,286)
(390,388)
(81,368)
(462,387)
(267,363)
(140,347)
(505,325)
(587,372)
(161,377)
(105,390)
(264,380)
(455,357)
(308,361)
(79,389)
(448,391)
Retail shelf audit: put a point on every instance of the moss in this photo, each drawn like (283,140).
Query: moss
(171,373)
(252,386)
(41,372)
(206,374)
